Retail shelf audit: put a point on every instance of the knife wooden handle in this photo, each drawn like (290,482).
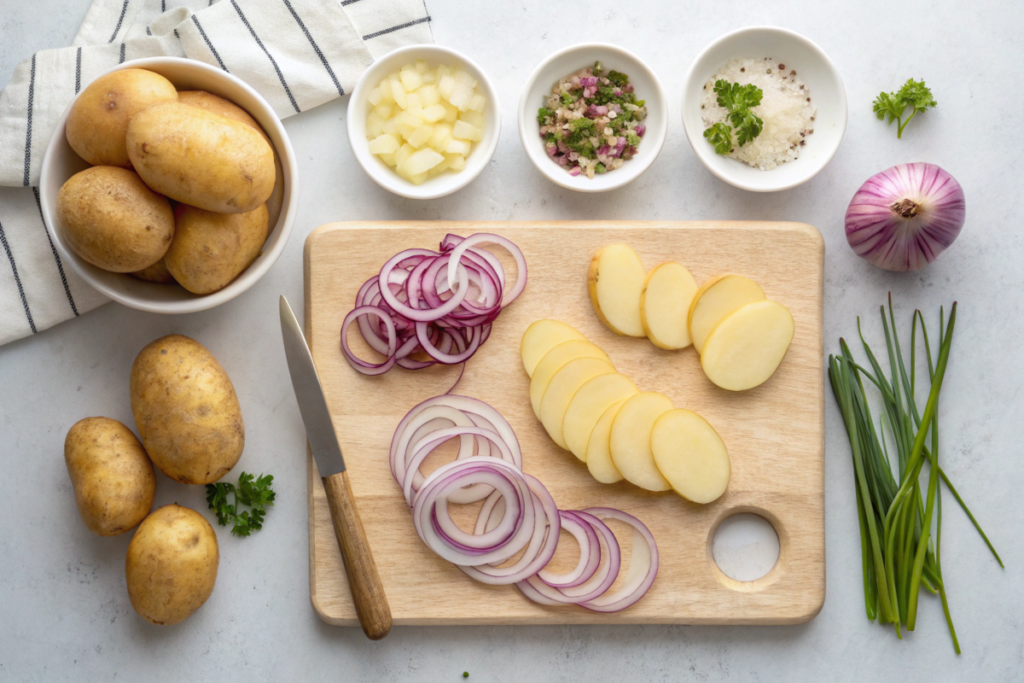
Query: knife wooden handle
(367,590)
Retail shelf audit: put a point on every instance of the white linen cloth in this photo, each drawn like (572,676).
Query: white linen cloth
(298,54)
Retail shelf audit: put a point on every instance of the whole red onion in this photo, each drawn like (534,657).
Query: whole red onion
(904,217)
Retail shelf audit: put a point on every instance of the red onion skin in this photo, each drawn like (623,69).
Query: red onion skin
(902,218)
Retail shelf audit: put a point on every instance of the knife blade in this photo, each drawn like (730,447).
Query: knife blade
(367,590)
(310,395)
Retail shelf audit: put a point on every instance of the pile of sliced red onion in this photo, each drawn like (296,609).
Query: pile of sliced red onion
(518,514)
(441,303)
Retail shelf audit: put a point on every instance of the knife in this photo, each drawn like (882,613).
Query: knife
(367,591)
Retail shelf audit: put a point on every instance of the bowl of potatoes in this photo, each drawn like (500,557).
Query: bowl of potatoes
(169,185)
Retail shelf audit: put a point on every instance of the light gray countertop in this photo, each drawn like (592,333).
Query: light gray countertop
(64,611)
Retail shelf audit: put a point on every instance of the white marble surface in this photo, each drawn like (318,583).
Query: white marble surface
(64,612)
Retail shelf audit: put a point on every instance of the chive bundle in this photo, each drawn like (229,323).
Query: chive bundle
(900,552)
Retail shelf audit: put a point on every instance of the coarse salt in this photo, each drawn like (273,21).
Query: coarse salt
(786,110)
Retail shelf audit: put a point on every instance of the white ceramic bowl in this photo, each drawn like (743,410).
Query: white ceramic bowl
(561,64)
(60,163)
(813,67)
(445,183)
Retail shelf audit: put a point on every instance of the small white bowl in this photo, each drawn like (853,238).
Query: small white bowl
(445,183)
(571,59)
(60,163)
(813,67)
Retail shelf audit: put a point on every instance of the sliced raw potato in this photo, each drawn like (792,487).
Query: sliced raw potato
(542,336)
(563,387)
(716,299)
(665,303)
(599,454)
(553,361)
(745,349)
(588,405)
(630,441)
(690,455)
(616,282)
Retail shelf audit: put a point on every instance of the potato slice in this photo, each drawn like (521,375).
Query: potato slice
(616,281)
(665,303)
(691,455)
(563,387)
(745,349)
(457,161)
(599,454)
(588,405)
(716,299)
(630,441)
(553,361)
(542,336)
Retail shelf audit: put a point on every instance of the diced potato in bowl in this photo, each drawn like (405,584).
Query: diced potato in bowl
(424,121)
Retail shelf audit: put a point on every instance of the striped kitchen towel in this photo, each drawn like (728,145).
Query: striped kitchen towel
(298,54)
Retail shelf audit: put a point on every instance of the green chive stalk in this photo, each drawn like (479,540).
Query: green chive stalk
(900,520)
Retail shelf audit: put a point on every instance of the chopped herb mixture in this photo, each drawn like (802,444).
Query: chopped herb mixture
(591,122)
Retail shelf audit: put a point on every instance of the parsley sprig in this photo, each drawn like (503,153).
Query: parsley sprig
(913,94)
(738,100)
(251,491)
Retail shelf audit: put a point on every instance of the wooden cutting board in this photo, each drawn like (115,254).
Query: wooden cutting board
(774,433)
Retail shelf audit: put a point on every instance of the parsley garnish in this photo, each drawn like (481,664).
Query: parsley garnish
(542,114)
(738,100)
(252,491)
(913,94)
(720,135)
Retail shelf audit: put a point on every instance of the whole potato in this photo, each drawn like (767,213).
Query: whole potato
(112,476)
(113,220)
(98,121)
(219,105)
(200,158)
(171,565)
(210,249)
(156,273)
(186,410)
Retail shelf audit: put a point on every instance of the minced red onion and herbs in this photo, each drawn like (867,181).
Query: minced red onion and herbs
(591,122)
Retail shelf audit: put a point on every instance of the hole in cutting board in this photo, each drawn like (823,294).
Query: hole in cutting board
(745,546)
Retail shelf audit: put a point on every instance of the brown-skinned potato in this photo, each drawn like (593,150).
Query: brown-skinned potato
(171,565)
(200,158)
(210,249)
(98,121)
(186,410)
(113,220)
(219,105)
(111,474)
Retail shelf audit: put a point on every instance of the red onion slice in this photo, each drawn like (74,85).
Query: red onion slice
(599,582)
(454,475)
(366,367)
(481,238)
(590,554)
(643,565)
(542,544)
